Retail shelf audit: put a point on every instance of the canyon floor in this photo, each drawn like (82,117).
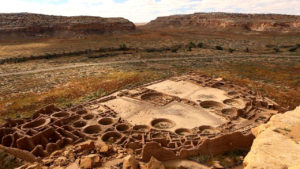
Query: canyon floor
(171,83)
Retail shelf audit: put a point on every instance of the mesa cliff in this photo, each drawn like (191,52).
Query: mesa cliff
(230,21)
(33,24)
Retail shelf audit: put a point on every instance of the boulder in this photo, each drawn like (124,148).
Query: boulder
(61,161)
(217,165)
(90,161)
(35,166)
(73,166)
(104,149)
(85,146)
(277,143)
(130,162)
(154,164)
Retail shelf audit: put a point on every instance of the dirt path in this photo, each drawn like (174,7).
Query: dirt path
(96,64)
(126,61)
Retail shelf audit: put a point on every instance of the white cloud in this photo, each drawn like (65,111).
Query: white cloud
(146,10)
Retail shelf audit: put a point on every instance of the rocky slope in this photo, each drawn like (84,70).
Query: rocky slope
(228,21)
(27,23)
(277,143)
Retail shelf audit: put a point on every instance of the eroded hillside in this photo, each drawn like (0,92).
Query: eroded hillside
(34,24)
(228,21)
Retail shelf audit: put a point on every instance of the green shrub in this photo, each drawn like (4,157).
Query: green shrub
(174,49)
(247,50)
(276,49)
(101,50)
(293,49)
(123,47)
(200,45)
(23,59)
(219,47)
(47,56)
(149,50)
(87,51)
(231,50)
(191,45)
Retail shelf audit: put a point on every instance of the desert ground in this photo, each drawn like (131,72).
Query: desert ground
(174,86)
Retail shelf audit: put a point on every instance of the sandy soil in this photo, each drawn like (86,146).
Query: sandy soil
(184,116)
(184,164)
(190,91)
(294,133)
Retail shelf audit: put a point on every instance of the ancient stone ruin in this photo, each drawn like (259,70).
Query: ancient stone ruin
(170,119)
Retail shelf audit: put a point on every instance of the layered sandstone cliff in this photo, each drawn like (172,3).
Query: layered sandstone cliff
(229,21)
(277,143)
(28,23)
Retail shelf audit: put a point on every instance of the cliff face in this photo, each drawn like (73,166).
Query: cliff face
(28,23)
(227,21)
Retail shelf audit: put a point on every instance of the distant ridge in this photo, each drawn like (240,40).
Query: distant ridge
(229,21)
(32,24)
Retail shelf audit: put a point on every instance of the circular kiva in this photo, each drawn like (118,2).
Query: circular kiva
(36,123)
(218,84)
(208,129)
(232,102)
(60,114)
(78,124)
(111,136)
(231,93)
(106,121)
(142,128)
(211,104)
(80,112)
(183,131)
(93,129)
(159,135)
(122,127)
(230,111)
(88,117)
(204,127)
(162,123)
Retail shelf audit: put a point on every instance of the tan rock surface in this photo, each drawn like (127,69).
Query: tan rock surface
(90,161)
(274,147)
(130,162)
(155,164)
(184,164)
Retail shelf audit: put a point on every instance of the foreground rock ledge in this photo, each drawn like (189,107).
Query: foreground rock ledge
(277,143)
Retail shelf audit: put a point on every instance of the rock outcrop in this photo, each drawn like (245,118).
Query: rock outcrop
(35,24)
(277,143)
(229,21)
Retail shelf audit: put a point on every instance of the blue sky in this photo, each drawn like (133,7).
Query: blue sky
(146,10)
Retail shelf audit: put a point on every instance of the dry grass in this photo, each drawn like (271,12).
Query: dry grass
(76,91)
(256,42)
(278,79)
(15,50)
(269,77)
